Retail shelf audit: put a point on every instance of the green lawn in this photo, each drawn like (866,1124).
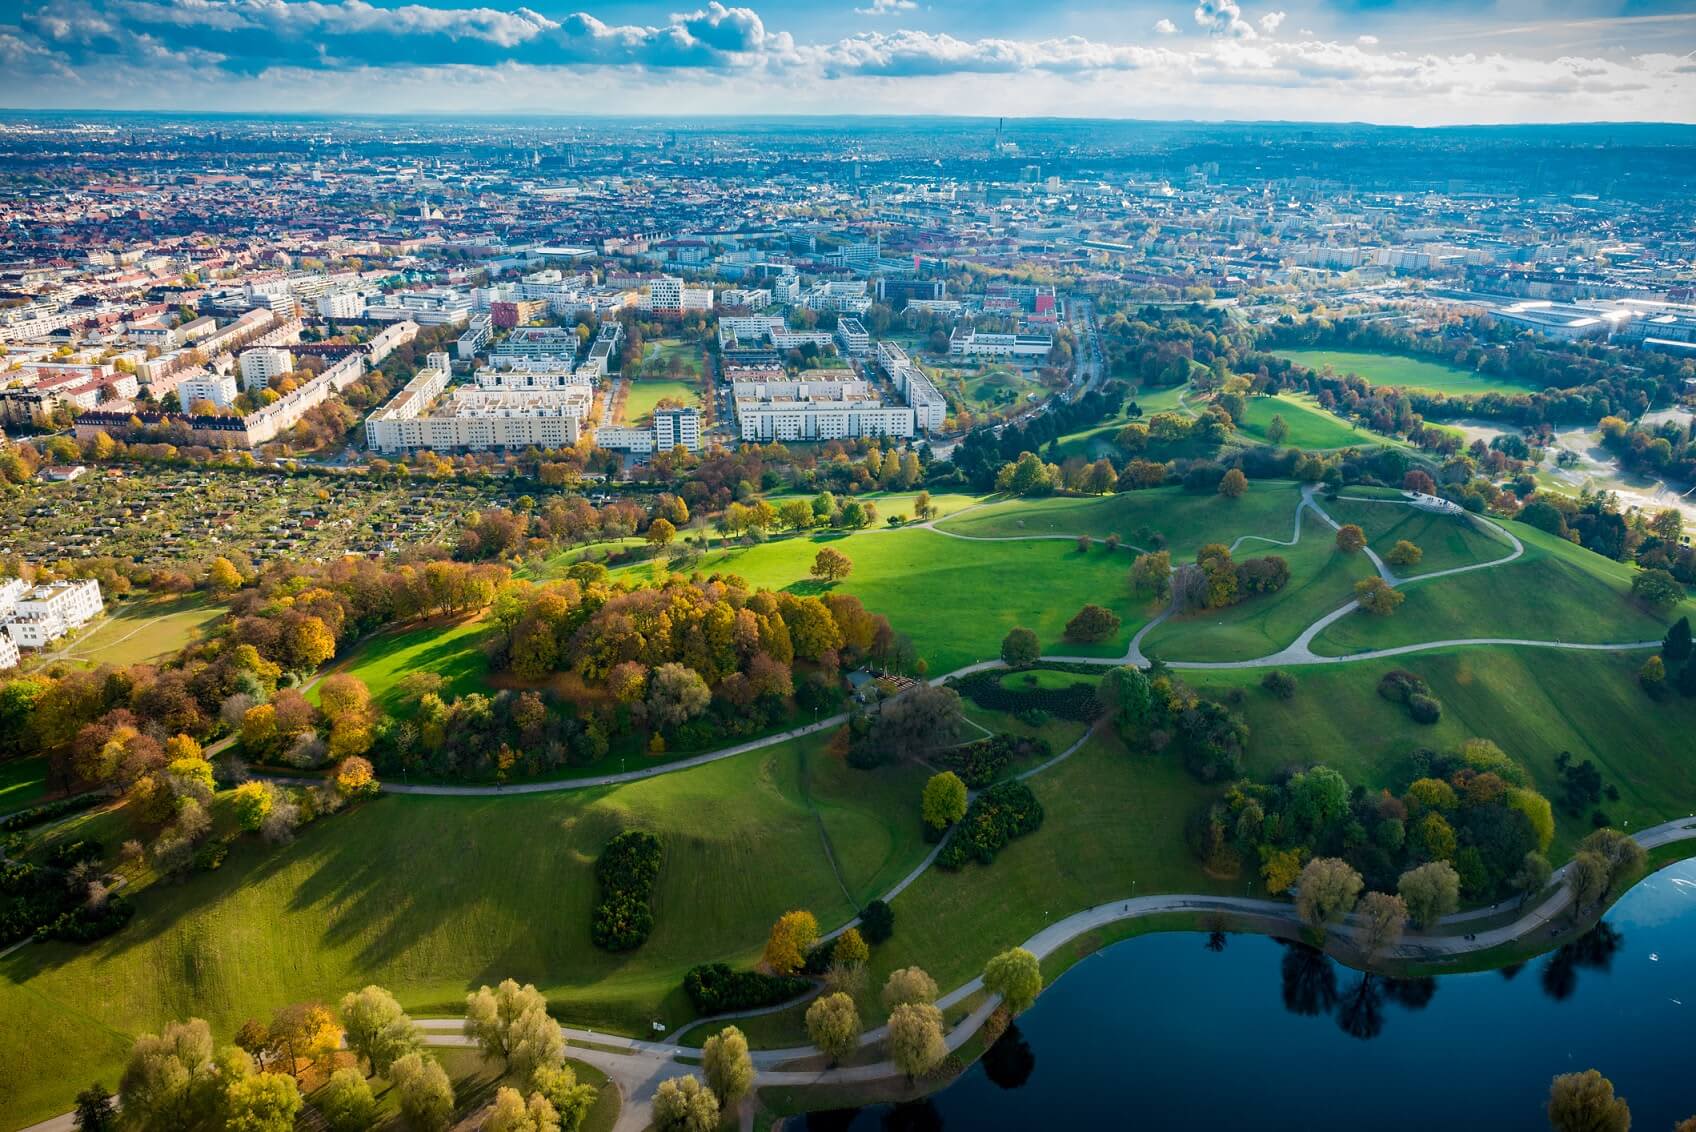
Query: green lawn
(142,630)
(1448,540)
(556,564)
(955,599)
(1310,426)
(1555,591)
(1321,579)
(1187,520)
(1535,703)
(23,782)
(433,896)
(646,392)
(447,648)
(1403,370)
(1048,679)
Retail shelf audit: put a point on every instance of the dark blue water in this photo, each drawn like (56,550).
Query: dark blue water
(1163,1032)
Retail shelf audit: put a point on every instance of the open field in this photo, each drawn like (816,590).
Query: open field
(139,631)
(644,393)
(1187,520)
(671,357)
(432,896)
(1534,703)
(956,599)
(1310,426)
(1404,371)
(1448,540)
(895,502)
(1555,590)
(23,782)
(447,648)
(1321,579)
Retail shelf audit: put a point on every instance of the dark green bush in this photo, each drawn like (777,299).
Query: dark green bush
(49,810)
(996,816)
(1075,702)
(877,922)
(627,869)
(714,988)
(982,762)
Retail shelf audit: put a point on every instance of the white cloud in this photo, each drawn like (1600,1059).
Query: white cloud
(336,54)
(1270,21)
(887,7)
(1366,40)
(1224,18)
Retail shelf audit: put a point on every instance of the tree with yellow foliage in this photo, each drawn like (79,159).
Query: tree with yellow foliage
(791,938)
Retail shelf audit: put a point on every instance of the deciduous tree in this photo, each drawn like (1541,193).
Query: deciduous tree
(1381,919)
(1585,1102)
(1327,892)
(831,565)
(1377,596)
(1234,484)
(377,1029)
(833,1024)
(263,1102)
(791,938)
(944,801)
(915,1040)
(683,1104)
(1020,648)
(423,1092)
(1350,538)
(1016,976)
(908,984)
(1430,892)
(346,1102)
(728,1065)
(1404,554)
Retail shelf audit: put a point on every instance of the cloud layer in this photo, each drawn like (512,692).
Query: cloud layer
(163,52)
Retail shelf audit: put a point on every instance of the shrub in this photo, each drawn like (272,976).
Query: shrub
(47,811)
(995,817)
(714,988)
(84,923)
(1076,702)
(1092,623)
(1424,709)
(1279,683)
(981,762)
(627,869)
(1398,685)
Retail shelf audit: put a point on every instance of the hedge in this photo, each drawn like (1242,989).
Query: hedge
(1076,702)
(49,810)
(716,989)
(83,923)
(981,762)
(627,869)
(1001,813)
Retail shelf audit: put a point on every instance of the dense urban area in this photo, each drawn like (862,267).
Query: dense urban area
(540,625)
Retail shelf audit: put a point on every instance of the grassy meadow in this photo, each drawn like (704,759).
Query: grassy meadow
(1404,371)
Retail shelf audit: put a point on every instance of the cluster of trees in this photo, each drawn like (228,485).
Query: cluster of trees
(1674,666)
(1214,580)
(1472,811)
(664,655)
(1157,709)
(510,1023)
(996,816)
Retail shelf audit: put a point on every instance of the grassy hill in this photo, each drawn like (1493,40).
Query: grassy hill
(1403,370)
(1186,519)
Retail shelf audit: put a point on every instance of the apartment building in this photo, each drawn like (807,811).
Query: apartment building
(553,344)
(968,342)
(756,330)
(671,428)
(497,417)
(790,410)
(263,363)
(218,388)
(34,618)
(852,336)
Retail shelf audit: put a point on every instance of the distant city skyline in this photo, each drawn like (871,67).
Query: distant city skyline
(1432,63)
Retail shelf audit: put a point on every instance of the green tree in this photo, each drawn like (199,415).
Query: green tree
(1020,648)
(1326,892)
(915,1040)
(1657,589)
(1278,430)
(1126,692)
(831,565)
(377,1029)
(253,801)
(1430,892)
(1585,1102)
(94,1111)
(944,801)
(1016,976)
(423,1092)
(683,1104)
(833,1024)
(511,1113)
(850,949)
(1533,873)
(170,1080)
(1092,623)
(1677,646)
(346,1102)
(728,1066)
(908,984)
(1404,554)
(511,1022)
(264,1102)
(1151,573)
(571,1099)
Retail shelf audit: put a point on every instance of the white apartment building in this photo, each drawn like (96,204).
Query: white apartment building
(788,410)
(839,295)
(8,651)
(537,343)
(670,295)
(856,343)
(481,418)
(754,298)
(756,330)
(218,388)
(35,618)
(541,373)
(437,306)
(341,304)
(677,428)
(262,363)
(929,406)
(477,335)
(968,342)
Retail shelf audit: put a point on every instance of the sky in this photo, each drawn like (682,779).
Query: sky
(1435,62)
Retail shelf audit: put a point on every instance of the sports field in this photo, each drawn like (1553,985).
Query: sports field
(1403,370)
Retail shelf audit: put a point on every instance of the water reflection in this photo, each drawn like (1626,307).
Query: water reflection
(1310,989)
(1010,1061)
(1595,949)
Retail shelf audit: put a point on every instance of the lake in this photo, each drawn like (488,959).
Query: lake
(1162,1032)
